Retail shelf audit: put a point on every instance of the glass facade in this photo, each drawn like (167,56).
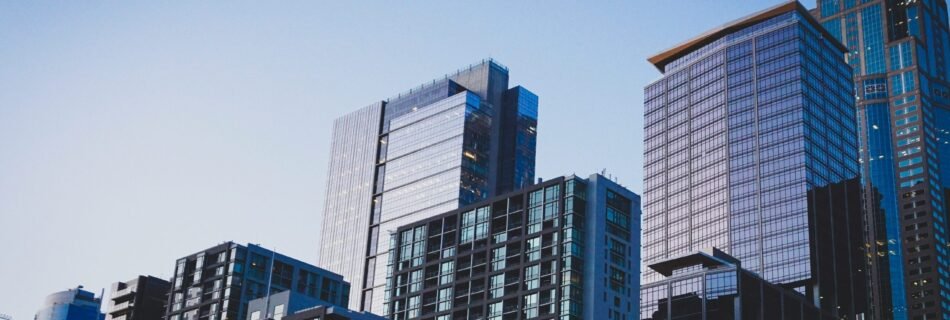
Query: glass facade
(564,249)
(72,304)
(446,144)
(218,283)
(902,103)
(751,148)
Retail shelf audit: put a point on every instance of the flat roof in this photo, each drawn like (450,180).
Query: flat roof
(661,59)
(708,257)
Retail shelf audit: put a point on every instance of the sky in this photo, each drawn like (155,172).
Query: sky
(134,133)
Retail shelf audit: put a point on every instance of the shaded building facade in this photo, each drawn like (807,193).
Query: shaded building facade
(217,283)
(751,148)
(566,248)
(899,51)
(142,298)
(72,304)
(448,143)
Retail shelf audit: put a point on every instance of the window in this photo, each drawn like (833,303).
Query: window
(909,151)
(278,312)
(903,121)
(475,224)
(908,130)
(910,162)
(911,183)
(905,110)
(904,142)
(911,172)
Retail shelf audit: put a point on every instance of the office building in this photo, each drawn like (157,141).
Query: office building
(142,298)
(899,52)
(72,304)
(710,284)
(286,305)
(217,283)
(751,148)
(446,144)
(567,248)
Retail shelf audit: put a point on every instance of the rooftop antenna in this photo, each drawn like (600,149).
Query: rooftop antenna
(270,276)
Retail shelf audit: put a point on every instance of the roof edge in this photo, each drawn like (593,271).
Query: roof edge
(660,60)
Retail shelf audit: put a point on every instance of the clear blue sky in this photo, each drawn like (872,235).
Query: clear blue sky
(132,134)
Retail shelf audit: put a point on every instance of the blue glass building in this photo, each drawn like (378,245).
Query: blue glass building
(751,148)
(899,52)
(72,304)
(451,142)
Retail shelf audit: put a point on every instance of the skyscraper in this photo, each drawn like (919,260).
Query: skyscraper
(217,283)
(899,52)
(72,304)
(448,143)
(567,248)
(751,148)
(142,298)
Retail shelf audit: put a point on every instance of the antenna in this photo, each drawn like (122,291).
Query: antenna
(270,276)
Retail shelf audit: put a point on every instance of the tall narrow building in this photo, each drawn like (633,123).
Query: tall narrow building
(751,148)
(900,52)
(448,143)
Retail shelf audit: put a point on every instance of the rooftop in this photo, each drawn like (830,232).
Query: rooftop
(710,257)
(661,59)
(491,62)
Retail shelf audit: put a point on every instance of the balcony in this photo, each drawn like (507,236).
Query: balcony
(119,294)
(121,308)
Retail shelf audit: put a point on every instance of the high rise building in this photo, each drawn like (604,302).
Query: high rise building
(751,148)
(218,282)
(899,51)
(567,248)
(142,298)
(446,144)
(72,304)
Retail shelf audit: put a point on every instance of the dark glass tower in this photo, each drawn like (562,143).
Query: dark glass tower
(751,148)
(567,248)
(448,143)
(899,52)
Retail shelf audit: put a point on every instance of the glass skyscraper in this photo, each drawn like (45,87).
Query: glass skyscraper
(448,143)
(751,148)
(899,52)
